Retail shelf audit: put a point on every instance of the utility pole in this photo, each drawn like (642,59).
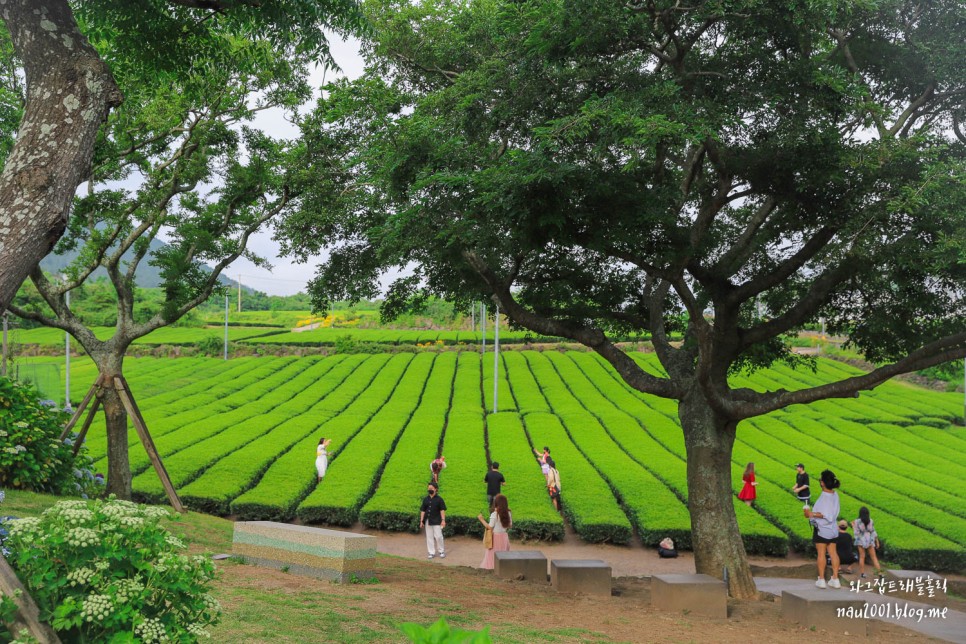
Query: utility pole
(67,356)
(496,357)
(226,326)
(3,365)
(483,324)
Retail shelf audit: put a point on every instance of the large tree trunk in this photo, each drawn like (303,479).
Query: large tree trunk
(70,91)
(118,462)
(709,440)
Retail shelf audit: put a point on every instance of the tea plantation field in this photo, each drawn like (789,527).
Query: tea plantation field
(238,438)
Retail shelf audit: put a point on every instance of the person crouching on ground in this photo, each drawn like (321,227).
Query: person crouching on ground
(500,522)
(432,514)
(845,548)
(823,517)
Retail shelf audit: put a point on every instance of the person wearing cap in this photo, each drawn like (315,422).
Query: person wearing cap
(800,488)
(845,548)
(432,514)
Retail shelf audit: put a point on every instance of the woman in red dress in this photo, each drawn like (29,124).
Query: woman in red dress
(747,493)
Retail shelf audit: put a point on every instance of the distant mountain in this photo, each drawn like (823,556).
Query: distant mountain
(146,276)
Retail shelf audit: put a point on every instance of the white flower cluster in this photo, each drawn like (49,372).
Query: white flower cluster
(97,607)
(80,576)
(77,516)
(151,630)
(22,424)
(101,565)
(26,527)
(211,603)
(82,537)
(117,509)
(172,540)
(128,589)
(198,631)
(131,522)
(3,433)
(155,512)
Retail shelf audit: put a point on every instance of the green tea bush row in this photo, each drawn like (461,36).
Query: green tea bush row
(395,504)
(190,427)
(534,516)
(465,446)
(352,477)
(292,477)
(227,407)
(229,477)
(185,465)
(658,441)
(201,399)
(655,510)
(526,392)
(856,490)
(591,506)
(849,455)
(505,401)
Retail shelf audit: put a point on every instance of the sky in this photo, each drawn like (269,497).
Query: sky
(287,277)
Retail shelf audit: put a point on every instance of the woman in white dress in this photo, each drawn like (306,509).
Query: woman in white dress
(322,457)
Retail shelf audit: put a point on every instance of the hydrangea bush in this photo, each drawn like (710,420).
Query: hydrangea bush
(32,456)
(108,571)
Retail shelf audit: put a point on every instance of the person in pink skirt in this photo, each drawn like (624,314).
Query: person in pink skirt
(500,522)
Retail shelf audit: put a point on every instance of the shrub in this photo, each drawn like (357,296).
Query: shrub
(108,571)
(441,633)
(32,456)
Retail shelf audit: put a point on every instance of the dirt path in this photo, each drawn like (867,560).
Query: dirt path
(625,561)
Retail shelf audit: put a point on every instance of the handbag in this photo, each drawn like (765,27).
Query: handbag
(488,538)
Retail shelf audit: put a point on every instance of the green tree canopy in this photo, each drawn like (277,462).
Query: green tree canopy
(728,169)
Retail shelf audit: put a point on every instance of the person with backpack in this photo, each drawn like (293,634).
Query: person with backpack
(866,540)
(553,483)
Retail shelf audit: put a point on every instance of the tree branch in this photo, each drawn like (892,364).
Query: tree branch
(943,350)
(593,338)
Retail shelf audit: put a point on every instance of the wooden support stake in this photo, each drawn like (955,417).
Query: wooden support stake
(87,425)
(80,409)
(142,429)
(28,615)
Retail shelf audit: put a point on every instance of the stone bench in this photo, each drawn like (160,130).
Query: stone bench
(514,564)
(589,576)
(301,550)
(819,608)
(698,594)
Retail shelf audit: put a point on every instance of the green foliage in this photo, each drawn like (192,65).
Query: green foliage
(32,456)
(108,571)
(441,633)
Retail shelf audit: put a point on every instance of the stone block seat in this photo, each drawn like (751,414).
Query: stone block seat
(589,576)
(820,608)
(513,564)
(698,594)
(311,552)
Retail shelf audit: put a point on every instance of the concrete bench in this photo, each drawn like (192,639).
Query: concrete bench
(820,608)
(589,576)
(514,564)
(698,594)
(311,552)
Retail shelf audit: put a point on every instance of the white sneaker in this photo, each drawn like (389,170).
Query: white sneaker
(820,583)
(430,557)
(834,583)
(442,555)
